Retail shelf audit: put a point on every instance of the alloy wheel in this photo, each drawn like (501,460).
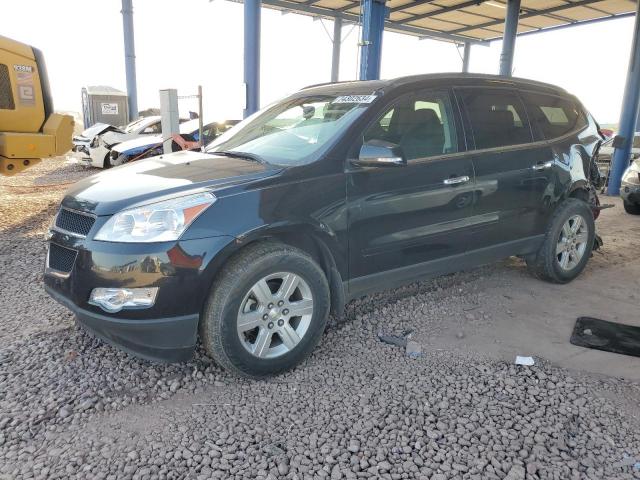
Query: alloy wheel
(572,243)
(275,315)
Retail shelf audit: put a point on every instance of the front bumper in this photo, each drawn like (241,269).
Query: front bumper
(98,155)
(163,339)
(183,272)
(630,193)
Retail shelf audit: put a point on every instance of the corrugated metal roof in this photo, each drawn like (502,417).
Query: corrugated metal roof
(466,20)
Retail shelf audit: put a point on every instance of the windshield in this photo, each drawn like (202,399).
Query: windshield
(135,124)
(294,131)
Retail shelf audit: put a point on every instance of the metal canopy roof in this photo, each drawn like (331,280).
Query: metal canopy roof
(476,21)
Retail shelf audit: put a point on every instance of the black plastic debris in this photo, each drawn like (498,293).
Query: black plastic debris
(607,336)
(397,340)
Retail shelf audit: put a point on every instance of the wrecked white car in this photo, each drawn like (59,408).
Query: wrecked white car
(101,145)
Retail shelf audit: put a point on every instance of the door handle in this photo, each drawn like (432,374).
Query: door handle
(456,180)
(543,166)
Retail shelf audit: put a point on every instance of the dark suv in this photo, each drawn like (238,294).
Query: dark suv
(331,193)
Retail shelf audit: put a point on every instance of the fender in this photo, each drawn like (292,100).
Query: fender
(313,239)
(325,238)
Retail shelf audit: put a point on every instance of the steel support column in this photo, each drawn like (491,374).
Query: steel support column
(466,56)
(629,114)
(130,58)
(251,56)
(337,43)
(374,13)
(509,40)
(169,117)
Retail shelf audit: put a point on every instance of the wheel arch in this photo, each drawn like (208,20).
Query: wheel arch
(320,245)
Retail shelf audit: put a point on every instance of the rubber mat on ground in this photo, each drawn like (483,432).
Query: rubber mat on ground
(608,336)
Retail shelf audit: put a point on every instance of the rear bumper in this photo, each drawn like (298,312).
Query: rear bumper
(170,339)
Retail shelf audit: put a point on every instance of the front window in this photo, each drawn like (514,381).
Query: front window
(421,124)
(295,131)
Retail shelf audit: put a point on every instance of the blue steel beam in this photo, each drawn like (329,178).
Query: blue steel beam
(629,114)
(374,13)
(529,14)
(130,58)
(251,56)
(577,24)
(396,26)
(509,38)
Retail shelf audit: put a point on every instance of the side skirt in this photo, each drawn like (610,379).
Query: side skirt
(376,282)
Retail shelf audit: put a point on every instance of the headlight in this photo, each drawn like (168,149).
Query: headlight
(632,174)
(156,222)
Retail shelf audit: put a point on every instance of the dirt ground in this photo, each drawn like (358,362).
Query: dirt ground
(74,407)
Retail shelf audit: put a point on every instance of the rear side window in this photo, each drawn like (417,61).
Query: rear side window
(6,96)
(497,117)
(553,116)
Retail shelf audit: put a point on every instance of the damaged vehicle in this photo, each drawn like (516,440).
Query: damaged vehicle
(81,142)
(151,145)
(337,191)
(630,188)
(101,145)
(605,154)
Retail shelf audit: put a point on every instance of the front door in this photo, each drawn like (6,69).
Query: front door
(401,218)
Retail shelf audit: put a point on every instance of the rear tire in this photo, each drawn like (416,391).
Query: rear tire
(266,311)
(567,245)
(632,208)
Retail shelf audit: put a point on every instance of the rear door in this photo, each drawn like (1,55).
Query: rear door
(557,121)
(503,156)
(404,216)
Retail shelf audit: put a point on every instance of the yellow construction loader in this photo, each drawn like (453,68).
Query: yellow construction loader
(29,130)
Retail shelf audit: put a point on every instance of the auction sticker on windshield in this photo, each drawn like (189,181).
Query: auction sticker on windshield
(355,99)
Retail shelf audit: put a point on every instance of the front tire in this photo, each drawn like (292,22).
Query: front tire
(567,245)
(266,311)
(632,208)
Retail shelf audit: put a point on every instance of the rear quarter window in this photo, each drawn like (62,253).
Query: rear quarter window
(554,116)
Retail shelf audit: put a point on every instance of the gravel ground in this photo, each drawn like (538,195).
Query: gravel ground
(73,407)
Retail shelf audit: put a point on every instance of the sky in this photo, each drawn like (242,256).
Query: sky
(186,43)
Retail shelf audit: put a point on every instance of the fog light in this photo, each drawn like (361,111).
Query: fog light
(115,299)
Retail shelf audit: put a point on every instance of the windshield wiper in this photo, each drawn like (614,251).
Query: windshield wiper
(234,153)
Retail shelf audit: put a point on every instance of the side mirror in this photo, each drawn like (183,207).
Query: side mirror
(378,153)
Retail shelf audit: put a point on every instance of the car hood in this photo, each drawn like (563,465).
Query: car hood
(161,177)
(97,129)
(113,138)
(140,142)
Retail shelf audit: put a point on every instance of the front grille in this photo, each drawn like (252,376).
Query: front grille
(6,96)
(61,258)
(74,222)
